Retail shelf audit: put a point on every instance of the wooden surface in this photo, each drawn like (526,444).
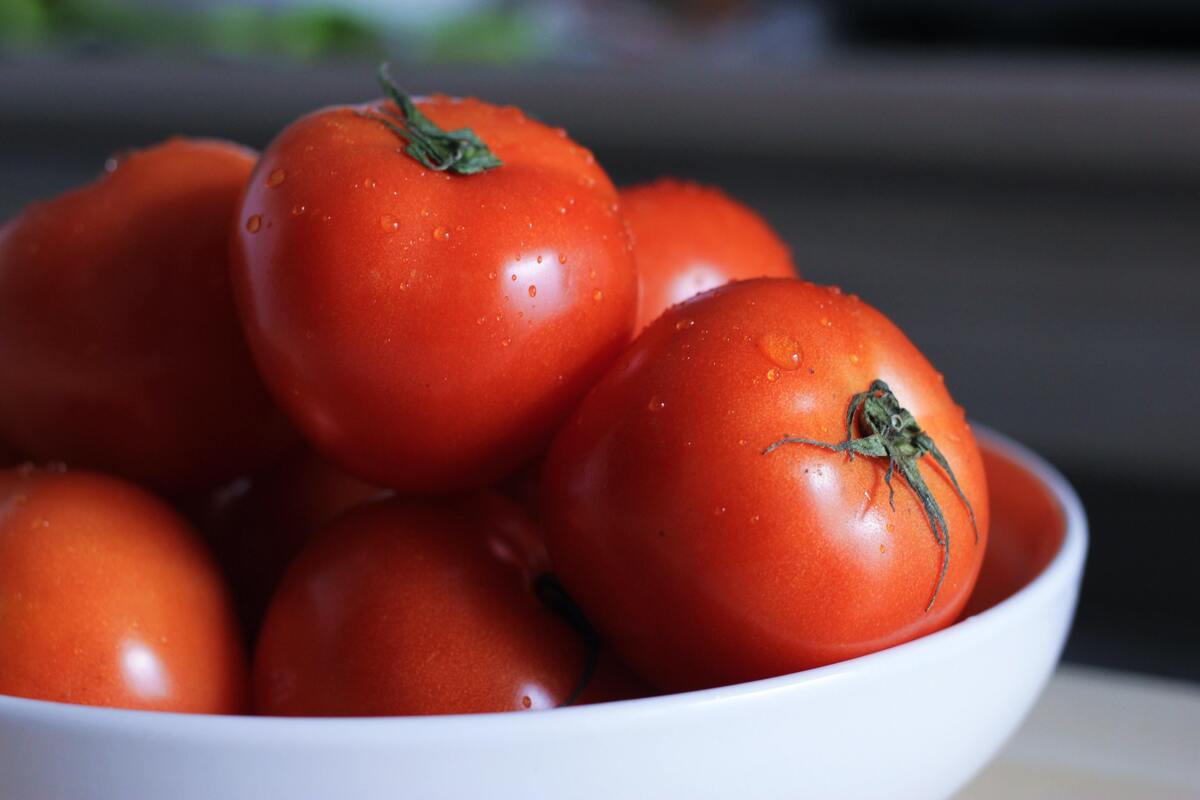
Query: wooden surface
(1096,735)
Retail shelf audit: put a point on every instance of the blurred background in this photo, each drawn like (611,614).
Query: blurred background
(1016,183)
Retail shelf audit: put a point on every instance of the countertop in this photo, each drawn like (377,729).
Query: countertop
(1098,734)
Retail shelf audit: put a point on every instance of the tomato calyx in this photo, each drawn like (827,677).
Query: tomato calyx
(459,151)
(887,430)
(554,596)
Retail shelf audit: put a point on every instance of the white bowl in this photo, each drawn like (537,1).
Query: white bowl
(914,721)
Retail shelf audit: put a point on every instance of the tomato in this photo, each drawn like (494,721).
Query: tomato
(120,347)
(108,598)
(689,238)
(427,330)
(411,606)
(257,525)
(707,560)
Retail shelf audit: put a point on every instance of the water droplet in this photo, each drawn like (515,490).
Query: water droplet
(526,702)
(826,322)
(773,374)
(368,183)
(424,212)
(111,164)
(562,258)
(834,290)
(505,342)
(597,295)
(890,527)
(275,178)
(754,520)
(513,277)
(539,259)
(781,349)
(719,510)
(854,358)
(481,320)
(742,442)
(491,276)
(592,274)
(389,223)
(657,403)
(441,234)
(882,549)
(254,223)
(298,209)
(532,290)
(517,257)
(684,324)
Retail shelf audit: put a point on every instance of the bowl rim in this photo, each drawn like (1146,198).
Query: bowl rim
(1063,569)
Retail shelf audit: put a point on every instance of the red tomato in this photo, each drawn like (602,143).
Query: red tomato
(120,346)
(411,606)
(108,598)
(689,238)
(705,560)
(429,331)
(257,525)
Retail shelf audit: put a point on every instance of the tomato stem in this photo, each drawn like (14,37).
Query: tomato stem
(554,597)
(889,431)
(459,151)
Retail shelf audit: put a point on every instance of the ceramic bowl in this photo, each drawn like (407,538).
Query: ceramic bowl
(913,721)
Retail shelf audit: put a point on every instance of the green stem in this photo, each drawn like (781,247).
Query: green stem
(889,431)
(459,151)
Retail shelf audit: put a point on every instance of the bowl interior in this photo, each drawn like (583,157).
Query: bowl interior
(1028,525)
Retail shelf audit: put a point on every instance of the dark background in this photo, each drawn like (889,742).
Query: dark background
(1017,184)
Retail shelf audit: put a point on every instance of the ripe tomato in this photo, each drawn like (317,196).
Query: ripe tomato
(689,238)
(411,606)
(428,330)
(120,347)
(707,560)
(108,598)
(257,525)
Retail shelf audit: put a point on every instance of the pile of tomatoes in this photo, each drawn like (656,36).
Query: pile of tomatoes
(416,413)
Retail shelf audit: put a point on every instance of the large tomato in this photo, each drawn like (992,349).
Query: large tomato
(120,347)
(108,598)
(410,606)
(706,556)
(689,238)
(429,330)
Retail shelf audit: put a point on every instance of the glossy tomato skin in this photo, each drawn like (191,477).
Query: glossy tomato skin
(689,238)
(706,562)
(428,331)
(258,524)
(120,347)
(412,606)
(110,599)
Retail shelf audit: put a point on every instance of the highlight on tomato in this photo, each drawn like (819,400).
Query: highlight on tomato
(689,238)
(770,479)
(109,598)
(429,285)
(120,347)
